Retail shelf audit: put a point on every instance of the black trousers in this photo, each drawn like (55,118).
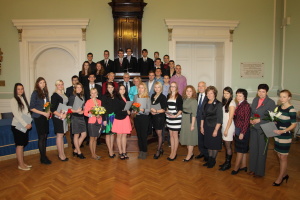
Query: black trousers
(141,123)
(42,128)
(203,150)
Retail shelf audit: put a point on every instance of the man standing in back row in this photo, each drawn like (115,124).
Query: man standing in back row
(145,64)
(179,79)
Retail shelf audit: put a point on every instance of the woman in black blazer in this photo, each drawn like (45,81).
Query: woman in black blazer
(158,116)
(121,124)
(212,119)
(59,119)
(40,116)
(84,73)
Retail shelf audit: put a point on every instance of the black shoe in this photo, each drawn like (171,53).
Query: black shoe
(157,155)
(125,156)
(243,169)
(75,153)
(205,159)
(227,164)
(81,156)
(212,163)
(45,161)
(114,155)
(121,156)
(284,178)
(64,160)
(185,160)
(172,159)
(233,172)
(199,156)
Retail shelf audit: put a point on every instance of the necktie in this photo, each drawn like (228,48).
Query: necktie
(200,102)
(106,62)
(126,87)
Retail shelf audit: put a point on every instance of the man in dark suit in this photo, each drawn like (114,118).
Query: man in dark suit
(90,60)
(171,70)
(145,64)
(91,85)
(127,83)
(158,65)
(121,64)
(166,62)
(132,61)
(107,63)
(70,89)
(202,99)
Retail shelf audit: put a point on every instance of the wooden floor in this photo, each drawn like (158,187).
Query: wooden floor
(143,179)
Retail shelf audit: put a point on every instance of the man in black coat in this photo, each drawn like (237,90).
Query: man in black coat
(91,85)
(121,64)
(202,99)
(70,89)
(145,64)
(90,60)
(107,63)
(132,61)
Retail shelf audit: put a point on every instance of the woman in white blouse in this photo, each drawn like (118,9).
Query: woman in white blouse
(19,106)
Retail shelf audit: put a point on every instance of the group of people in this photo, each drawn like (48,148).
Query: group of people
(192,118)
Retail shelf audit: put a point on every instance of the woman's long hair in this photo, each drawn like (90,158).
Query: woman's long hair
(82,91)
(226,102)
(109,95)
(119,96)
(145,94)
(42,93)
(83,70)
(170,92)
(20,104)
(194,94)
(101,71)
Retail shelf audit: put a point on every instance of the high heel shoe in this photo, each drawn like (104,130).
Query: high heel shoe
(172,159)
(114,155)
(155,156)
(75,153)
(121,156)
(64,160)
(81,156)
(233,172)
(243,169)
(284,178)
(187,160)
(125,156)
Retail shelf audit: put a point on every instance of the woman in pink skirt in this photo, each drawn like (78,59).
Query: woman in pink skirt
(121,124)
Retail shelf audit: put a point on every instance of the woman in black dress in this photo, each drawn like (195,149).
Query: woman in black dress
(212,119)
(99,74)
(59,119)
(84,73)
(40,116)
(19,107)
(77,119)
(158,115)
(108,103)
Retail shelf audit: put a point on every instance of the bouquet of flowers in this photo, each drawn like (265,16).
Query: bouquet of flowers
(136,108)
(255,116)
(68,117)
(97,111)
(272,116)
(47,106)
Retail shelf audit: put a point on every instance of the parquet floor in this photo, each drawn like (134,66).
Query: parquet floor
(142,179)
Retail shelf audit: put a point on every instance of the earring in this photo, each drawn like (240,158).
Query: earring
(90,96)
(97,96)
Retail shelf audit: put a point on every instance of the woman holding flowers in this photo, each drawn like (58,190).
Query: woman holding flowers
(40,108)
(141,121)
(173,114)
(158,115)
(60,118)
(78,123)
(285,124)
(108,103)
(121,124)
(93,111)
(259,110)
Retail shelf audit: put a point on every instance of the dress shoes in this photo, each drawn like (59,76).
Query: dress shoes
(199,156)
(24,169)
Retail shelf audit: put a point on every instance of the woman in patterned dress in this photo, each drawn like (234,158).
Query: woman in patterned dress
(286,123)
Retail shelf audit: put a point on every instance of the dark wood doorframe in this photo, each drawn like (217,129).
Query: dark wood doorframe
(128,16)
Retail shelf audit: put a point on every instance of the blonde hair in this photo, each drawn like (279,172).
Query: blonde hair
(56,83)
(160,86)
(145,94)
(93,90)
(137,78)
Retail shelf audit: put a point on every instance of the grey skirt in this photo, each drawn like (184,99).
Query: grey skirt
(78,124)
(94,129)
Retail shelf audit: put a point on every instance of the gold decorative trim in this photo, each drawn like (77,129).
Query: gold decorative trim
(170,30)
(83,34)
(20,34)
(231,35)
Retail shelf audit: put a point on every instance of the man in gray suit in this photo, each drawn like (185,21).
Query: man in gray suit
(201,98)
(150,83)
